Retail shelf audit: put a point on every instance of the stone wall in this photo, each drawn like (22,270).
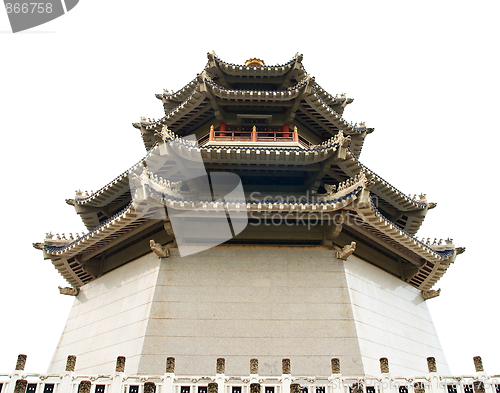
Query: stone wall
(392,321)
(243,302)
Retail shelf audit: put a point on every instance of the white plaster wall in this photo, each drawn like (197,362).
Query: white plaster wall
(392,320)
(109,319)
(243,302)
(240,303)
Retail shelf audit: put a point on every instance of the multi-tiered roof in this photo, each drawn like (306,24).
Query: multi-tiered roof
(287,139)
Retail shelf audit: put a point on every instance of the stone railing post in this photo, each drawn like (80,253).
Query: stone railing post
(387,385)
(84,387)
(16,381)
(220,377)
(431,365)
(335,378)
(169,377)
(21,362)
(20,386)
(478,364)
(254,366)
(67,377)
(116,382)
(433,378)
(255,388)
(286,377)
(149,387)
(212,388)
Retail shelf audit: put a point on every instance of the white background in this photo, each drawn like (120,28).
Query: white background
(423,74)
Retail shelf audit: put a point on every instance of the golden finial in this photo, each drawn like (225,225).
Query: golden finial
(212,127)
(254,62)
(254,128)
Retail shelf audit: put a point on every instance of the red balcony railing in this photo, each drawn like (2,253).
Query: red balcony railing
(247,134)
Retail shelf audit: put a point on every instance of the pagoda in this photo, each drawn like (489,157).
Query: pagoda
(250,229)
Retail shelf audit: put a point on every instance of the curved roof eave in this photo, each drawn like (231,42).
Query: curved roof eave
(436,261)
(180,95)
(351,166)
(251,70)
(256,95)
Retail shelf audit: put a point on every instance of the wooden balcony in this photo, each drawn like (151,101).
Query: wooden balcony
(246,134)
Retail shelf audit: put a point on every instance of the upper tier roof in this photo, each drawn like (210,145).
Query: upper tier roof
(222,93)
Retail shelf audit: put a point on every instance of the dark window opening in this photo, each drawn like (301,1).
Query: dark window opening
(236,389)
(269,389)
(185,389)
(134,389)
(468,389)
(202,389)
(48,388)
(403,389)
(370,389)
(31,388)
(99,388)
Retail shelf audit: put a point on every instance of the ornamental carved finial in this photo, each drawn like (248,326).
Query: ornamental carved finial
(38,246)
(330,189)
(162,251)
(431,293)
(342,140)
(69,291)
(344,252)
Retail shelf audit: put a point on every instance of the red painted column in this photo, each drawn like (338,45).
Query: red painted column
(212,132)
(222,129)
(254,134)
(286,129)
(295,134)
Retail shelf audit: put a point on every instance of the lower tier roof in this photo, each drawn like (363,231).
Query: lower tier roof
(349,206)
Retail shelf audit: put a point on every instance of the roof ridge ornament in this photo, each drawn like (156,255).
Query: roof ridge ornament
(255,62)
